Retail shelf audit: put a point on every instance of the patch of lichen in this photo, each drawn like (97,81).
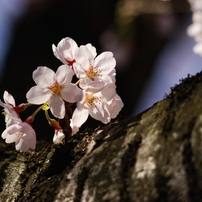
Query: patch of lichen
(179,119)
(45,167)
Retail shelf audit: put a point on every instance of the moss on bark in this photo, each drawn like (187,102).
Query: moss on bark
(154,156)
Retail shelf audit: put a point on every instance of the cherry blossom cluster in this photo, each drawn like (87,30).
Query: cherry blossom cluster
(94,93)
(195,29)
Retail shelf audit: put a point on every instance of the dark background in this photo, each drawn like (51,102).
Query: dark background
(96,22)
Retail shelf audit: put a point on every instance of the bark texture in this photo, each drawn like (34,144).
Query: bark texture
(154,156)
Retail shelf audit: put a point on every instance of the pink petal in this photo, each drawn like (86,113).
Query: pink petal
(44,76)
(57,106)
(28,130)
(8,98)
(108,92)
(65,50)
(66,47)
(91,86)
(71,93)
(64,75)
(100,113)
(37,95)
(8,131)
(31,142)
(105,62)
(92,49)
(84,57)
(58,137)
(116,105)
(12,138)
(79,117)
(22,145)
(79,70)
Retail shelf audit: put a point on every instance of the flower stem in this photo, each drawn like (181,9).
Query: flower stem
(52,122)
(77,83)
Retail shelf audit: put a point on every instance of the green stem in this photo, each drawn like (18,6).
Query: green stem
(77,83)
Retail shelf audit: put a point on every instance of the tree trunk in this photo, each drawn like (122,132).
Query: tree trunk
(154,156)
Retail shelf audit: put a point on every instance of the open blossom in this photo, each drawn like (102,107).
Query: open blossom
(65,51)
(58,136)
(22,134)
(89,68)
(11,116)
(54,88)
(94,103)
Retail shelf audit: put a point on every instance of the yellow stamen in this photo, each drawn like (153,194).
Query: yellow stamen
(92,72)
(89,100)
(54,88)
(19,134)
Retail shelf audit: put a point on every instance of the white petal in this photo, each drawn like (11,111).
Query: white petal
(105,62)
(37,95)
(198,48)
(22,145)
(106,79)
(2,104)
(109,91)
(64,75)
(75,129)
(31,142)
(92,86)
(55,52)
(8,98)
(71,93)
(8,131)
(57,106)
(66,47)
(44,76)
(28,130)
(79,117)
(79,70)
(12,138)
(58,137)
(84,57)
(116,105)
(65,50)
(100,112)
(92,49)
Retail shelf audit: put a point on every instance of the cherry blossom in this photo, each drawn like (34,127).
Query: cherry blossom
(195,29)
(89,68)
(11,115)
(54,88)
(65,50)
(22,134)
(94,93)
(58,136)
(94,103)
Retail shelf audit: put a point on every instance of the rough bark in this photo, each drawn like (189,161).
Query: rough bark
(154,156)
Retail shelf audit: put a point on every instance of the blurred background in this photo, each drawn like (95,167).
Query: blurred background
(148,39)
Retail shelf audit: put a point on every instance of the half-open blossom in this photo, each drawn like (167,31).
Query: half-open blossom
(65,51)
(58,136)
(94,103)
(54,88)
(89,68)
(66,48)
(11,116)
(22,134)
